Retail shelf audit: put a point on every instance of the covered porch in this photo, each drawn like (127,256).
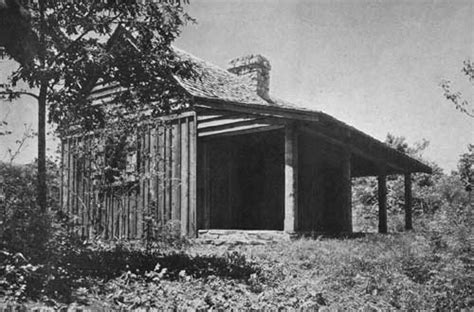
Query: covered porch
(283,170)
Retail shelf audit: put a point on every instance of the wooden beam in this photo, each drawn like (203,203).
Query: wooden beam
(400,160)
(408,203)
(225,123)
(260,109)
(291,179)
(207,186)
(382,198)
(215,116)
(192,225)
(240,130)
(235,123)
(204,118)
(347,192)
(353,149)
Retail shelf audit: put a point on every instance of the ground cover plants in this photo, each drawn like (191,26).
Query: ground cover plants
(430,269)
(43,262)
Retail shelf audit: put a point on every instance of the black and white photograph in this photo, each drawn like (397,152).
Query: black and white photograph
(219,155)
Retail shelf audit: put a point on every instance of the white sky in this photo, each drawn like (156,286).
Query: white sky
(375,65)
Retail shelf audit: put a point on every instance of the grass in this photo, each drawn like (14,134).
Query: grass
(396,271)
(429,269)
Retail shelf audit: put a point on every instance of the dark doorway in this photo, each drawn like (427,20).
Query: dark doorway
(241,181)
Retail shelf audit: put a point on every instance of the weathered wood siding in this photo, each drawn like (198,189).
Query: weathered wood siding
(163,197)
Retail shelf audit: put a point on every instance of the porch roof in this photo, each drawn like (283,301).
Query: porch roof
(373,156)
(218,89)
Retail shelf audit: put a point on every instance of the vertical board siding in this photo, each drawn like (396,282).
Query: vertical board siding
(163,196)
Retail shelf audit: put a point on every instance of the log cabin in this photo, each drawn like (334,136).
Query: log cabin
(238,159)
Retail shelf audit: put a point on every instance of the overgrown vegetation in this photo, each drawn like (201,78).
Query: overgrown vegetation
(43,260)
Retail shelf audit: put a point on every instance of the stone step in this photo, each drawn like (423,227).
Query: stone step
(241,237)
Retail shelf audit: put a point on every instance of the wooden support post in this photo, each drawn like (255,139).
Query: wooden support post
(382,197)
(347,192)
(408,202)
(291,179)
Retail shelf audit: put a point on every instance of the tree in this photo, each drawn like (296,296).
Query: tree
(456,98)
(65,47)
(466,168)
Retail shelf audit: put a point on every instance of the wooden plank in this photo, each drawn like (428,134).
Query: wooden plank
(61,194)
(90,190)
(207,187)
(116,215)
(347,192)
(264,110)
(73,178)
(192,228)
(254,128)
(67,190)
(122,215)
(153,173)
(169,169)
(111,214)
(175,200)
(226,122)
(161,174)
(291,179)
(408,203)
(85,179)
(165,175)
(128,216)
(82,183)
(76,187)
(136,207)
(230,124)
(382,199)
(98,217)
(147,177)
(179,164)
(106,216)
(140,203)
(184,176)
(133,213)
(204,118)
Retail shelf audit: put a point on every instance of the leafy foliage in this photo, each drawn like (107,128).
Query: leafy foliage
(466,168)
(128,44)
(67,47)
(456,97)
(429,269)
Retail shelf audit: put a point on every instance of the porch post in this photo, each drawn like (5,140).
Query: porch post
(382,198)
(347,192)
(408,202)
(291,179)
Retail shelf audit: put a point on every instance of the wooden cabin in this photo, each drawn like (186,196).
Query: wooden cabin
(238,159)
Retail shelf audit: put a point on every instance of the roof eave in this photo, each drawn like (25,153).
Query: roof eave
(411,164)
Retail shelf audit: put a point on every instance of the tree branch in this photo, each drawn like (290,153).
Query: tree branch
(14,94)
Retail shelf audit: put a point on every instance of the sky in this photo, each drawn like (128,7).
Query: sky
(376,65)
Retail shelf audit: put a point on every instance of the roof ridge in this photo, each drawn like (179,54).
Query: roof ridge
(208,64)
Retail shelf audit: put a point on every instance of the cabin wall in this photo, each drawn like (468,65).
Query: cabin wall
(322,187)
(310,185)
(163,197)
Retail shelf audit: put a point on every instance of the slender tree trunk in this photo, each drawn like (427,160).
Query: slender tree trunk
(42,189)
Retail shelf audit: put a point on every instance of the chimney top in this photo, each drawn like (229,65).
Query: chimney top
(251,60)
(257,68)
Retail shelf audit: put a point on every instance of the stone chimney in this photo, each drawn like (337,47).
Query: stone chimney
(257,68)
